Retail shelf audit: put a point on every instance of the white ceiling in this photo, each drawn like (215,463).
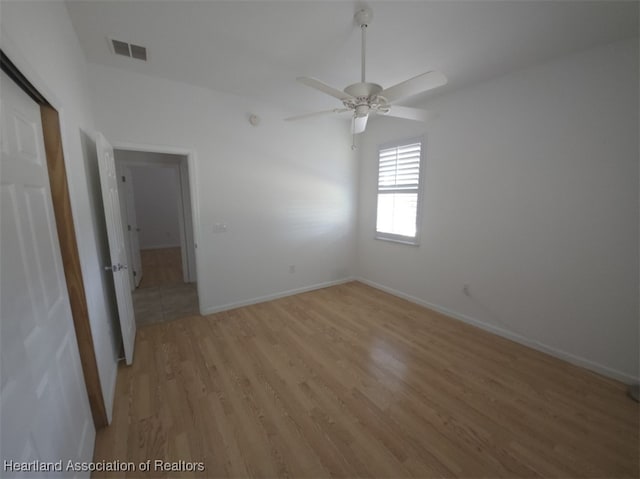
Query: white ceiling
(257,48)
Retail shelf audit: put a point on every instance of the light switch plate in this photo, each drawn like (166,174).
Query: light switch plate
(219,228)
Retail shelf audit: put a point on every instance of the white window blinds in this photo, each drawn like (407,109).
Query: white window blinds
(398,191)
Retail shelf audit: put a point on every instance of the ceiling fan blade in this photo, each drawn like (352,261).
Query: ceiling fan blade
(408,113)
(359,124)
(413,86)
(316,113)
(323,87)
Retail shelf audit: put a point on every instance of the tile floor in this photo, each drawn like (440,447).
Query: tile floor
(162,296)
(162,266)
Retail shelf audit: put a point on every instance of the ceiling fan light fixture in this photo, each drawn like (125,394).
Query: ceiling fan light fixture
(361,111)
(359,124)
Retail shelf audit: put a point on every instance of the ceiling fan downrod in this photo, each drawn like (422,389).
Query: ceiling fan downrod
(363,17)
(364,50)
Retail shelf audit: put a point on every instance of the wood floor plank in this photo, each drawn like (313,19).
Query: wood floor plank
(349,381)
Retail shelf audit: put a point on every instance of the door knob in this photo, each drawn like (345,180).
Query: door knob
(115,268)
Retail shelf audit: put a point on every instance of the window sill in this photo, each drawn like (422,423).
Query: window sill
(404,241)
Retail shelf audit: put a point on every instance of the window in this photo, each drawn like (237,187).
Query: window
(399,192)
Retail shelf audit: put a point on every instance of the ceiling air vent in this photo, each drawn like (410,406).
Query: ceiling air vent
(138,52)
(128,50)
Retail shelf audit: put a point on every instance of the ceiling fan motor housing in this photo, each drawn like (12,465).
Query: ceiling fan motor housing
(363,90)
(365,97)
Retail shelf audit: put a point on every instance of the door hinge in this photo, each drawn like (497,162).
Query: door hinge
(124,179)
(128,227)
(135,273)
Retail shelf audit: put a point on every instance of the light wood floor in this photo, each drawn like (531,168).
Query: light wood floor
(350,381)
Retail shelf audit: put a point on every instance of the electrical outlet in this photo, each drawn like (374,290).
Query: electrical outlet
(292,268)
(465,289)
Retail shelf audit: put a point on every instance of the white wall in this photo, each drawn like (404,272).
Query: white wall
(53,61)
(286,191)
(531,197)
(156,193)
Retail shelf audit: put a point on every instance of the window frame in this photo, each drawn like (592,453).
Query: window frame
(395,238)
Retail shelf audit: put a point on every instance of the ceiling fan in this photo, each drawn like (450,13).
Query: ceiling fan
(366,98)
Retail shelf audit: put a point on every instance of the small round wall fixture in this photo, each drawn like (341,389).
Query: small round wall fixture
(254,119)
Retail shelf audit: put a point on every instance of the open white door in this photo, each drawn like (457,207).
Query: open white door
(129,222)
(115,232)
(134,230)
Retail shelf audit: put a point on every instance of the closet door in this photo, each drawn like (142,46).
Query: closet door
(44,407)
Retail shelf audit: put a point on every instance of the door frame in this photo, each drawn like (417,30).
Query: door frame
(56,143)
(191,164)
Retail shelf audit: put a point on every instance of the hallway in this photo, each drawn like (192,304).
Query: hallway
(162,295)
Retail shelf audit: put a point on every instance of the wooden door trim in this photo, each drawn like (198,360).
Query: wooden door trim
(68,242)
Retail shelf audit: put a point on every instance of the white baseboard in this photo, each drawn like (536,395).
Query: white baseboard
(160,246)
(87,445)
(571,358)
(112,394)
(270,297)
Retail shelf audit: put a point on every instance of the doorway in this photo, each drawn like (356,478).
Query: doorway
(156,211)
